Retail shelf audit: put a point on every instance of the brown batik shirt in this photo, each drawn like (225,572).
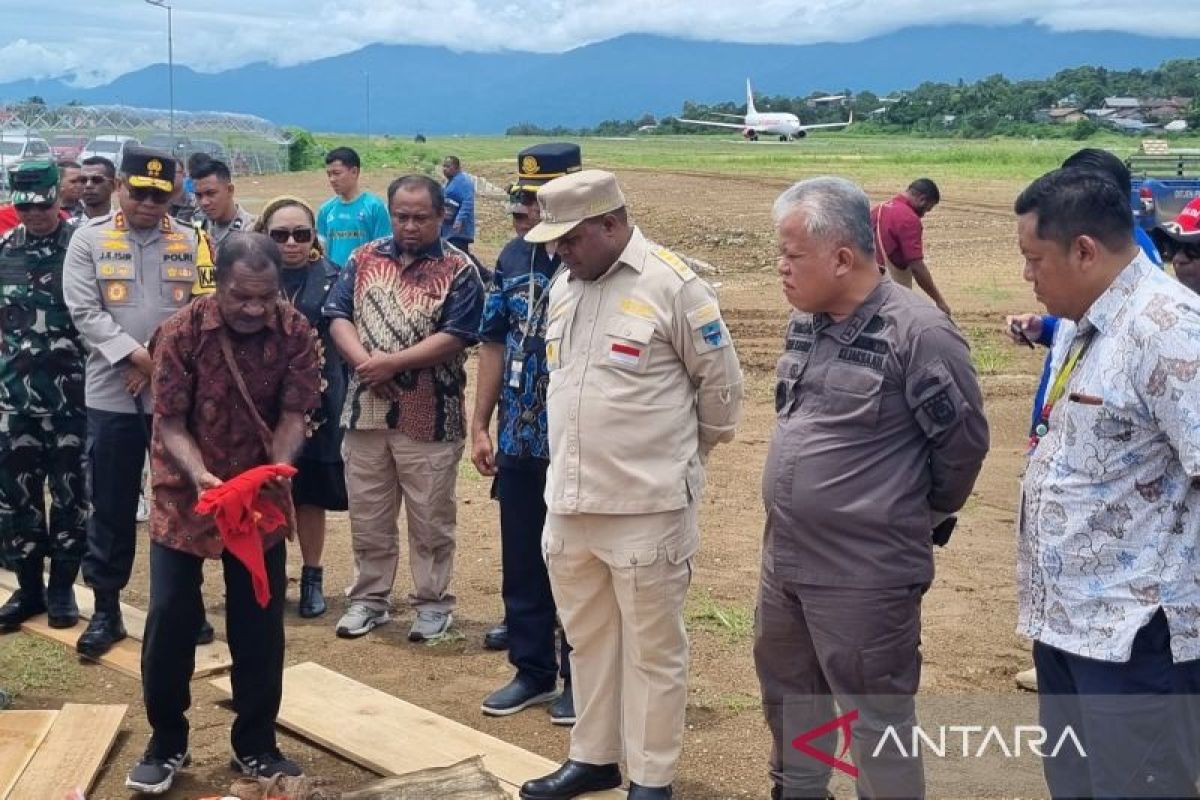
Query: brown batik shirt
(281,367)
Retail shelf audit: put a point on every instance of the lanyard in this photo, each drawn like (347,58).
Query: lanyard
(1059,388)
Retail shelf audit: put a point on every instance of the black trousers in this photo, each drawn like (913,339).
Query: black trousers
(1136,720)
(116,453)
(169,649)
(529,609)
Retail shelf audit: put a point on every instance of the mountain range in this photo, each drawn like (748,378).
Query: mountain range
(440,91)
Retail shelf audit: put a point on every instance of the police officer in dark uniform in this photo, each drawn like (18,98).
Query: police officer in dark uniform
(125,273)
(513,374)
(42,420)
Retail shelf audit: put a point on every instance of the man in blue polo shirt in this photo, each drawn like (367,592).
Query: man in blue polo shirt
(458,226)
(351,217)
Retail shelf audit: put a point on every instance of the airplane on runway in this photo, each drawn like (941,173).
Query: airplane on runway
(773,123)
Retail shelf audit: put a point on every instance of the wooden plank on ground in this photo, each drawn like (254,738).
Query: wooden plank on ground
(21,732)
(211,659)
(390,736)
(126,655)
(72,753)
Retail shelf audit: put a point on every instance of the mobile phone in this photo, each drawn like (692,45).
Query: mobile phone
(1019,332)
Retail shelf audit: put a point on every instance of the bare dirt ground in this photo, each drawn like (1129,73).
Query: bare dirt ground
(969,613)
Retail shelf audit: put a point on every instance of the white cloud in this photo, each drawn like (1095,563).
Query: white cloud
(211,35)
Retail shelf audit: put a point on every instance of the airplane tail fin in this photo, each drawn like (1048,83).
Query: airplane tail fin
(750,109)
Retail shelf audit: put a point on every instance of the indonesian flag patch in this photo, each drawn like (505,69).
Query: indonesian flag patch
(626,355)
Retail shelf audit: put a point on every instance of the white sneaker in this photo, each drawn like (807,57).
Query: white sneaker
(359,619)
(143,512)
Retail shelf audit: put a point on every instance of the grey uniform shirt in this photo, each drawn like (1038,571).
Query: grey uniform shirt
(879,428)
(218,232)
(119,284)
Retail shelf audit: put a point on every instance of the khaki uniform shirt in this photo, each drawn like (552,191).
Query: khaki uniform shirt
(119,284)
(644,382)
(879,432)
(218,232)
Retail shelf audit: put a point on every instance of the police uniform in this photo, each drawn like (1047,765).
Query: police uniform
(644,382)
(42,422)
(120,283)
(879,435)
(514,315)
(218,233)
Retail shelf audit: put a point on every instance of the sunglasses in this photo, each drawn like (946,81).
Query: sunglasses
(299,235)
(94,180)
(141,194)
(25,208)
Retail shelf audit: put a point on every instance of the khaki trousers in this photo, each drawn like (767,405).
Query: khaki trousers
(620,582)
(383,470)
(901,276)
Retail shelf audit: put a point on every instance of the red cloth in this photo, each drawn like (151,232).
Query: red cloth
(242,518)
(10,220)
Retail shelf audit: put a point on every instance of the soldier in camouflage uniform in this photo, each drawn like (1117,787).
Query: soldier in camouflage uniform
(42,419)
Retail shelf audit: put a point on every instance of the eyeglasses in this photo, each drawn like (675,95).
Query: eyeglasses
(25,208)
(523,198)
(141,194)
(299,235)
(94,180)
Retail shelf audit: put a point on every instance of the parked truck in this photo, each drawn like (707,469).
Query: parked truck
(1163,183)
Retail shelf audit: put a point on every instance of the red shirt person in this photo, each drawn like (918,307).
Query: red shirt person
(235,374)
(898,237)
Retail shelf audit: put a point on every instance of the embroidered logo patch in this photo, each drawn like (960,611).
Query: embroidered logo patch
(625,354)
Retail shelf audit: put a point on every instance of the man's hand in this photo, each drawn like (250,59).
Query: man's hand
(1029,324)
(482,454)
(141,359)
(136,381)
(945,307)
(379,368)
(206,480)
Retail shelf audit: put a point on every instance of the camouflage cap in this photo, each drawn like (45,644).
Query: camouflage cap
(33,182)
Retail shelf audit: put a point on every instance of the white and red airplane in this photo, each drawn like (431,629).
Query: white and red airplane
(774,123)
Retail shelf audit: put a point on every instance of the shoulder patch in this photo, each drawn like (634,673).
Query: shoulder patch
(677,264)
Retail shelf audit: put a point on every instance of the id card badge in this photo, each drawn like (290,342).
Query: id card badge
(516,369)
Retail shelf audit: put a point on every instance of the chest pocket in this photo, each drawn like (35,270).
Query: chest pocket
(177,275)
(789,373)
(116,276)
(853,394)
(627,343)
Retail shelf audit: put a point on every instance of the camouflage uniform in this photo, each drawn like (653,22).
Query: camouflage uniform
(42,419)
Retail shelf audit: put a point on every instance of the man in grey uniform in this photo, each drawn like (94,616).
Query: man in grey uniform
(644,383)
(222,216)
(124,274)
(879,437)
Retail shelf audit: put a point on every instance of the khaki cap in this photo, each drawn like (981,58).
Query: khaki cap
(567,201)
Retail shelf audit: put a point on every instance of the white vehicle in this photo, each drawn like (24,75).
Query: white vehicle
(775,123)
(110,146)
(16,146)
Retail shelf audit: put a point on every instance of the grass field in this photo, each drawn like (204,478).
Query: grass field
(865,158)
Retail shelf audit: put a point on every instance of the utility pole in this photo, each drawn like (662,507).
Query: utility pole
(170,68)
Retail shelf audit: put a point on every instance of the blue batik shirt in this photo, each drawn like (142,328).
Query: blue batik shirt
(522,429)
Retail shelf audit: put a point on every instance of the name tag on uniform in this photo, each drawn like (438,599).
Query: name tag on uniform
(516,369)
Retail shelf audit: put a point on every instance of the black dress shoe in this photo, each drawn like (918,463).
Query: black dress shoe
(206,635)
(496,638)
(572,779)
(105,627)
(23,605)
(639,792)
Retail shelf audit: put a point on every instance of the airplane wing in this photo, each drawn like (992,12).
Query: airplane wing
(828,124)
(717,124)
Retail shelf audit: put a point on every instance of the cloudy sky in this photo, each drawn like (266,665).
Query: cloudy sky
(100,39)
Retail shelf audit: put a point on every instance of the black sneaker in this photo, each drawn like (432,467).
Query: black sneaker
(516,696)
(206,635)
(153,775)
(562,710)
(266,765)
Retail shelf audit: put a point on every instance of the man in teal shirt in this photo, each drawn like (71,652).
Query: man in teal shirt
(351,217)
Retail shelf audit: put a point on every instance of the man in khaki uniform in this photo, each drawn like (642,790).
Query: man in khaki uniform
(644,382)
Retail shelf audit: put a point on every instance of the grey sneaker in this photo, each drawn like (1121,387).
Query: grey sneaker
(153,775)
(429,625)
(359,620)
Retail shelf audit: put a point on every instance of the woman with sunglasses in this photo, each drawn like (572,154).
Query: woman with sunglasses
(320,485)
